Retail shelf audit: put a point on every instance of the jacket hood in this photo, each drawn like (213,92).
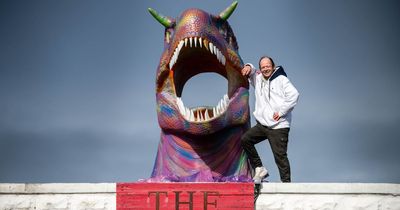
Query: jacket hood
(279,71)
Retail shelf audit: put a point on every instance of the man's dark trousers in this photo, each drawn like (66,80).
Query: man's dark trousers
(278,139)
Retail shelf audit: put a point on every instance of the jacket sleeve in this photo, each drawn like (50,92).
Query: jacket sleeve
(252,76)
(291,97)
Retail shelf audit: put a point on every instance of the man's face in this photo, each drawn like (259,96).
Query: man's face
(266,67)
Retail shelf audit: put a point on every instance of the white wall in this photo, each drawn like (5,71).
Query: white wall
(274,196)
(327,196)
(57,196)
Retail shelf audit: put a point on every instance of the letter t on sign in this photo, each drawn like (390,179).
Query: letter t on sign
(157,197)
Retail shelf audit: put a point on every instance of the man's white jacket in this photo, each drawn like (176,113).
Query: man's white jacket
(277,94)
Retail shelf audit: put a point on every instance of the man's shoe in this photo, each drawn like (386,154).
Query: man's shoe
(263,172)
(257,172)
(260,173)
(257,180)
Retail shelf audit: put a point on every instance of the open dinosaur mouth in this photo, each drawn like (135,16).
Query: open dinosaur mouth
(195,55)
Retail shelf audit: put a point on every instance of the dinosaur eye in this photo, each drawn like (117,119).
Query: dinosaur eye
(223,32)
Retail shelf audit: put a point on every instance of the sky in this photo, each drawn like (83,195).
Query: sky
(77,86)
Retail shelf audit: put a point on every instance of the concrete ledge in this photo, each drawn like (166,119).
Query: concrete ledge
(330,188)
(58,188)
(58,196)
(329,196)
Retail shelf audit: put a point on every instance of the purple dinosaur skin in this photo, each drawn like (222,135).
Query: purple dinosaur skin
(200,144)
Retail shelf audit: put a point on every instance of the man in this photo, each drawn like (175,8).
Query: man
(275,98)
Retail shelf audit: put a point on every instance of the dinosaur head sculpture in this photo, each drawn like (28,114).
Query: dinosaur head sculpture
(195,140)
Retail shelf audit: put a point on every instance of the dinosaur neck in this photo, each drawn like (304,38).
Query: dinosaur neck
(210,158)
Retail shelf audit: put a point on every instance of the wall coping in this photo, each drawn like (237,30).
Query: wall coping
(57,188)
(331,188)
(266,188)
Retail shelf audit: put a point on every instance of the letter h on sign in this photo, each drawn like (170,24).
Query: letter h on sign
(190,202)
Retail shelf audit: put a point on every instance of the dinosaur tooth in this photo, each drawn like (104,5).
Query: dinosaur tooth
(206,117)
(186,41)
(183,108)
(201,116)
(180,45)
(174,56)
(172,62)
(200,42)
(190,41)
(226,101)
(223,104)
(219,111)
(187,115)
(182,105)
(214,112)
(191,115)
(226,98)
(206,44)
(221,56)
(179,103)
(211,47)
(183,112)
(195,41)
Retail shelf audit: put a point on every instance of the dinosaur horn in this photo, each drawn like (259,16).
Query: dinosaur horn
(165,21)
(228,11)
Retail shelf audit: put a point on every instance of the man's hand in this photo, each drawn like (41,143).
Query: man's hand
(246,70)
(276,116)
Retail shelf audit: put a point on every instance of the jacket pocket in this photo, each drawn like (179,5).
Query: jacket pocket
(268,117)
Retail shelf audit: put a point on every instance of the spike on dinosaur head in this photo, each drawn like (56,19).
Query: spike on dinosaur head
(228,11)
(164,20)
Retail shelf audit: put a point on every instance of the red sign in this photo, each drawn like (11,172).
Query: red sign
(185,196)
